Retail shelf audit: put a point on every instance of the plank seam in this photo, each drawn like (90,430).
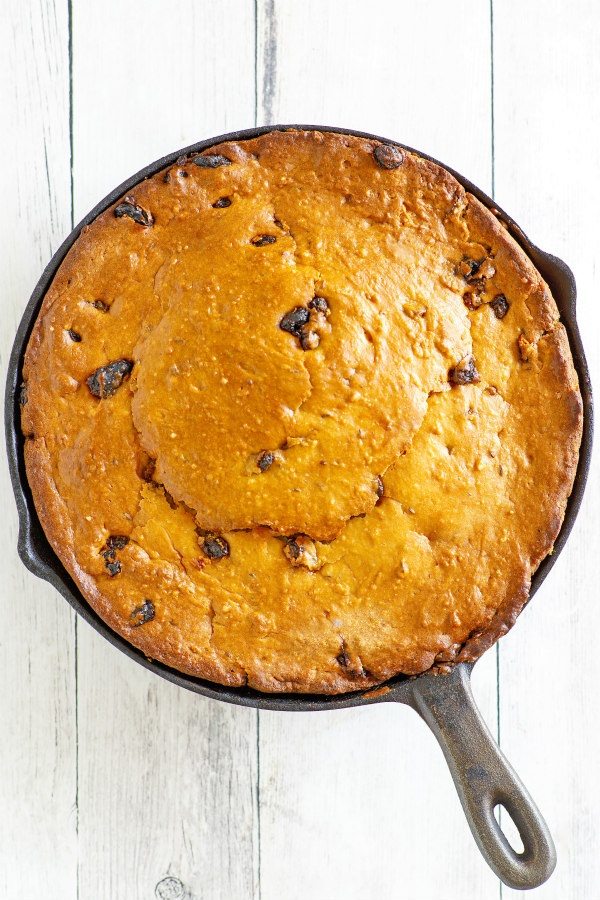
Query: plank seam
(70,45)
(269,63)
(492,98)
(255,62)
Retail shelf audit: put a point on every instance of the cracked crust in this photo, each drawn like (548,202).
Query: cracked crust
(398,518)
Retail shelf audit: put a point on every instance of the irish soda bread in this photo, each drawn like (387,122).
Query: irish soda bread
(300,415)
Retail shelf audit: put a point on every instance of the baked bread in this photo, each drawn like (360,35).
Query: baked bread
(300,414)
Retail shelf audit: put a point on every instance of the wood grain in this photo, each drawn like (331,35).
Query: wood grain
(547,160)
(167,780)
(119,786)
(361,800)
(38,839)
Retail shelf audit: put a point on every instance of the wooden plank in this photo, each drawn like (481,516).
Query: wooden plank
(356,803)
(184,72)
(347,808)
(545,162)
(167,786)
(386,69)
(38,839)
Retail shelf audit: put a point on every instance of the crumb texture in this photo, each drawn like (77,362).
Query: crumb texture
(300,414)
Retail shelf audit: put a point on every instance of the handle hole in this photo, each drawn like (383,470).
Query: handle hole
(508,828)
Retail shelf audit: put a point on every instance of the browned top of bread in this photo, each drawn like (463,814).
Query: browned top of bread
(301,415)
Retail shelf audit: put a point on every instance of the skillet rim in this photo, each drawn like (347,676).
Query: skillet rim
(37,555)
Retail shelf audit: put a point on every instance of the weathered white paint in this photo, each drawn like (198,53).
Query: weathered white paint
(547,161)
(38,849)
(118,785)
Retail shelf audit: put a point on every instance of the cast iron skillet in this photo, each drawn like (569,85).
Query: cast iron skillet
(483,777)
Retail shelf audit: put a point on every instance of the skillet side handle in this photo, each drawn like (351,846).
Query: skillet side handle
(484,779)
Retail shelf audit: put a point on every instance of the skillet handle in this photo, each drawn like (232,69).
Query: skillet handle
(484,779)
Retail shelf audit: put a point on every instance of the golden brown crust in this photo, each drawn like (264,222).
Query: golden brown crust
(385,474)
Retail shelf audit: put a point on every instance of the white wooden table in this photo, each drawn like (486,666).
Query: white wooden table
(113,780)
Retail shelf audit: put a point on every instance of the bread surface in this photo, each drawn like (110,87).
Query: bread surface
(300,414)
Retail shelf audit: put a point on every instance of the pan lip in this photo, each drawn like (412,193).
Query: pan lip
(35,551)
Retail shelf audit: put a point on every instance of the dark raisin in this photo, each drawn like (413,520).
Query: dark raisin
(74,335)
(109,552)
(135,212)
(469,268)
(117,541)
(167,177)
(464,372)
(293,550)
(101,305)
(309,340)
(378,489)
(294,320)
(183,173)
(265,460)
(222,203)
(142,614)
(215,546)
(23,394)
(342,658)
(301,550)
(146,467)
(211,161)
(319,303)
(105,380)
(388,157)
(263,239)
(500,305)
(476,272)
